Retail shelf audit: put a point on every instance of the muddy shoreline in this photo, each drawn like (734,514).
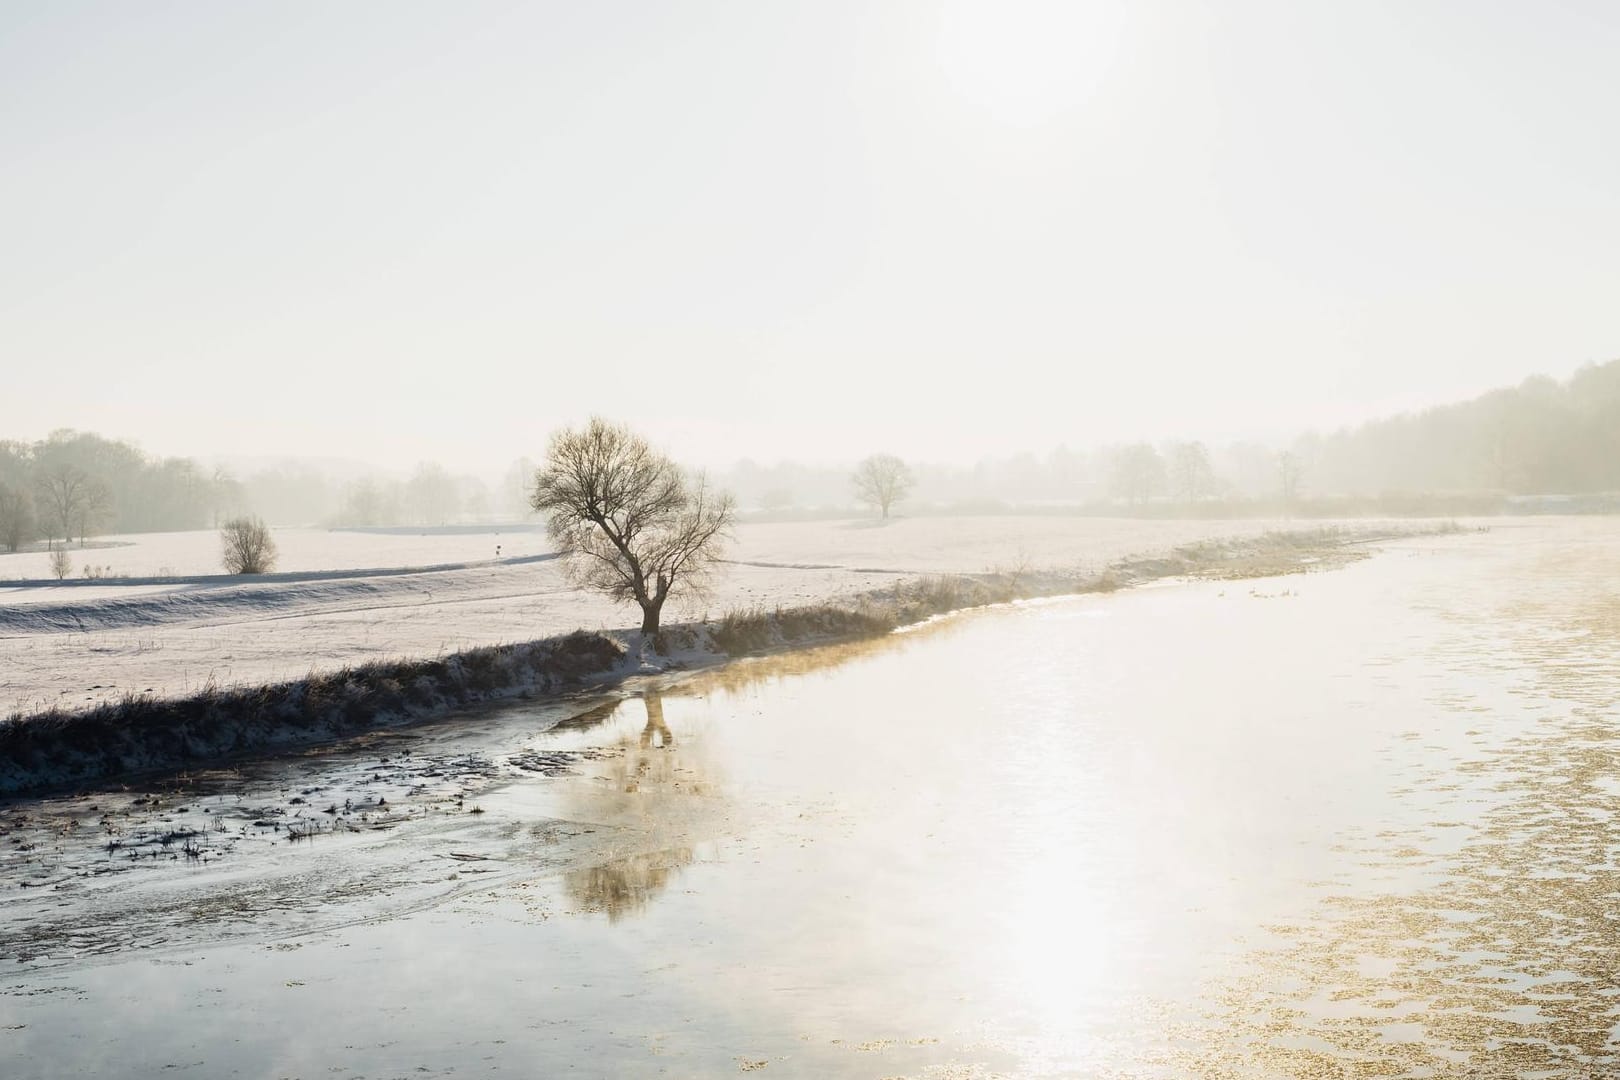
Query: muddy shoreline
(393,816)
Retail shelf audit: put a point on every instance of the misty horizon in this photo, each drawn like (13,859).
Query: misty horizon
(957,230)
(1530,447)
(959,454)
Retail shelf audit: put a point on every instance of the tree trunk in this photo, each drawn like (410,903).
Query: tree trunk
(649,617)
(656,733)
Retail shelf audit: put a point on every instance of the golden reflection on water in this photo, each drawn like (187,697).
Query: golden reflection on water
(748,672)
(648,766)
(1507,964)
(626,885)
(1471,929)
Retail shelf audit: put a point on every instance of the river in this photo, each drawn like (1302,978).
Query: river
(1360,823)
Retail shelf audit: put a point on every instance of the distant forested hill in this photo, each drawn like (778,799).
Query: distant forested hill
(1539,437)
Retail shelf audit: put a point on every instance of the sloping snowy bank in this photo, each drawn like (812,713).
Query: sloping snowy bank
(140,732)
(72,646)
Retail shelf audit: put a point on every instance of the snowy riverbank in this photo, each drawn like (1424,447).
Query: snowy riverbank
(345,599)
(142,731)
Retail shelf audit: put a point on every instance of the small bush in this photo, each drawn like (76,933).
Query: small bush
(61,563)
(247,546)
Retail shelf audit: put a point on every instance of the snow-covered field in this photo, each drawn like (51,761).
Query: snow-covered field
(192,554)
(343,597)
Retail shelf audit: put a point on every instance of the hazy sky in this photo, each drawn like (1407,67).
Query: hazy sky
(394,231)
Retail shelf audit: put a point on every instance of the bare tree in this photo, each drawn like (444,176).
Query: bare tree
(431,495)
(881,481)
(71,500)
(631,522)
(225,494)
(94,510)
(368,502)
(1191,476)
(61,561)
(516,487)
(16,517)
(1289,474)
(1500,439)
(1138,473)
(247,546)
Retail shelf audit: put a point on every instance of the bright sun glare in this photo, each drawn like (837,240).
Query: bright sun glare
(1026,61)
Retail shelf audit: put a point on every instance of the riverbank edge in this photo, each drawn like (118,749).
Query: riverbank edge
(139,735)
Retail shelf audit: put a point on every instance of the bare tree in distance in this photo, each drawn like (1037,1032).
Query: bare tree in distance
(16,517)
(247,546)
(431,495)
(367,502)
(1289,474)
(94,511)
(881,481)
(1191,476)
(1138,473)
(516,488)
(61,561)
(71,499)
(632,523)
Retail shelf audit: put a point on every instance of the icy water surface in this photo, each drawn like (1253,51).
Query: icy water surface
(1355,824)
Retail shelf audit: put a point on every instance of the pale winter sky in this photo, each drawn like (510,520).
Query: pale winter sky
(394,230)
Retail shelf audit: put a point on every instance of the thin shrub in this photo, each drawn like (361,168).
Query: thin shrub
(246,546)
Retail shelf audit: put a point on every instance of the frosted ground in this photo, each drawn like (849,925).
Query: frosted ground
(345,597)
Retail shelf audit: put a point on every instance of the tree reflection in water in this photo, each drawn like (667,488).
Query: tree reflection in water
(661,790)
(625,886)
(657,731)
(651,772)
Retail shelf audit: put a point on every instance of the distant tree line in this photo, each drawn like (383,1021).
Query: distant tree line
(432,495)
(73,484)
(296,493)
(1542,437)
